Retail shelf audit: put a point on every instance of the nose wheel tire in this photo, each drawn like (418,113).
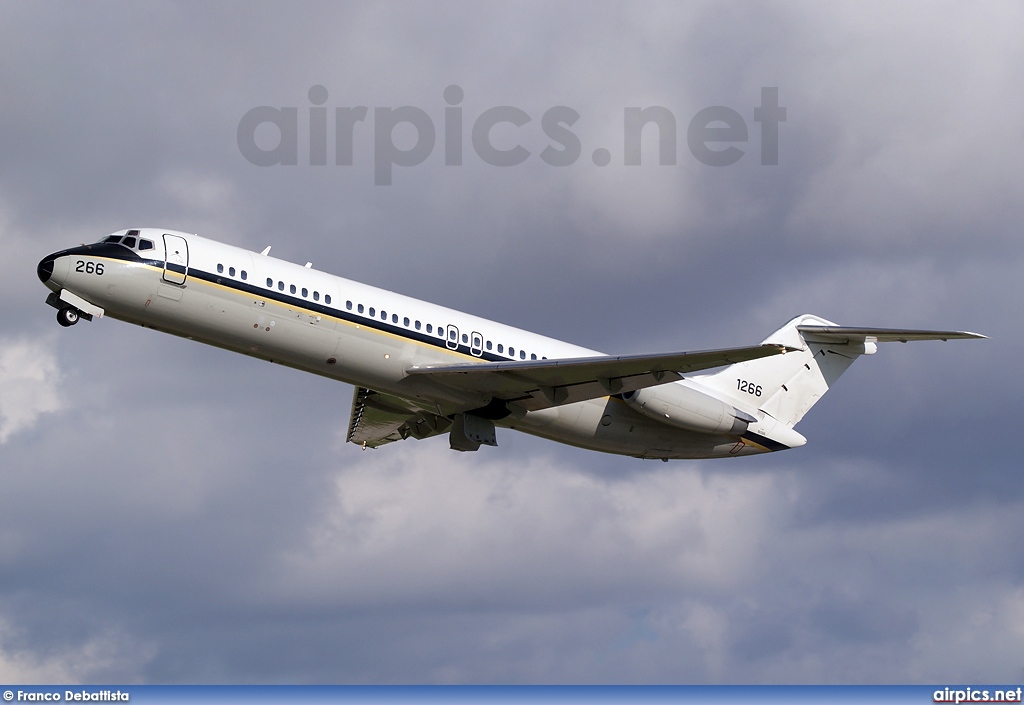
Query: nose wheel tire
(67,317)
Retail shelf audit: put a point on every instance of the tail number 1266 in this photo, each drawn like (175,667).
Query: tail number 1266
(748,387)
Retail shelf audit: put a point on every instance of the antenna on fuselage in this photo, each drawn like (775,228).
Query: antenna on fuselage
(308,265)
(266,251)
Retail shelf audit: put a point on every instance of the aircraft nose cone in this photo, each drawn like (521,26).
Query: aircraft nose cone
(45,269)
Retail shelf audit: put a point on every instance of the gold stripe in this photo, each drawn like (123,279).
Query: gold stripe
(749,442)
(232,290)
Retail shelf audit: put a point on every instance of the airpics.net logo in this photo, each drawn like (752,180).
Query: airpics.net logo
(711,134)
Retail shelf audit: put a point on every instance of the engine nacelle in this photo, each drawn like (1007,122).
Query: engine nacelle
(687,408)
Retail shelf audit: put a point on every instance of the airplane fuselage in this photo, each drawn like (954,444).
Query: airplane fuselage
(297,316)
(420,370)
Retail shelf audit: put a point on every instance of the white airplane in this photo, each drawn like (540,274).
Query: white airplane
(420,370)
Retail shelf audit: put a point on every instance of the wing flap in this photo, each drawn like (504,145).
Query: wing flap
(378,419)
(541,384)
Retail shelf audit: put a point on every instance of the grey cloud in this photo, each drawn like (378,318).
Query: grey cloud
(189,515)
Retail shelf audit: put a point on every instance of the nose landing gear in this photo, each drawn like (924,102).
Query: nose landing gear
(67,316)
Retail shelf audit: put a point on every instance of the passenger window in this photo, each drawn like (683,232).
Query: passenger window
(488,345)
(394,318)
(511,352)
(451,335)
(270,283)
(501,348)
(231,271)
(291,289)
(417,325)
(244,276)
(145,244)
(327,298)
(383,315)
(128,242)
(405,321)
(533,356)
(280,286)
(316,297)
(465,338)
(430,328)
(522,354)
(348,304)
(305,292)
(373,311)
(220,269)
(359,308)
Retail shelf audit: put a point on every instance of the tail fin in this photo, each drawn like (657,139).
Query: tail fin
(786,386)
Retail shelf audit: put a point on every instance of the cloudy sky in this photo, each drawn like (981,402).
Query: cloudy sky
(176,513)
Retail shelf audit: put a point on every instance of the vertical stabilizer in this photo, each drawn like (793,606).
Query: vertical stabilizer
(786,386)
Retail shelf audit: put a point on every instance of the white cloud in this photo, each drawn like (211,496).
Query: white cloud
(29,384)
(920,151)
(418,520)
(91,661)
(507,565)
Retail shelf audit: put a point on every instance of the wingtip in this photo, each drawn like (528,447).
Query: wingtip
(965,335)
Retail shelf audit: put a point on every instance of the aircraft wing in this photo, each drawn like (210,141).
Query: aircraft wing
(379,418)
(844,335)
(541,384)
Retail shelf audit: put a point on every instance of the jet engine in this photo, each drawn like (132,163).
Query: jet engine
(687,408)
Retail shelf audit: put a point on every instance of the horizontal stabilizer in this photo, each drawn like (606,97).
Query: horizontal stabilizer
(844,335)
(786,388)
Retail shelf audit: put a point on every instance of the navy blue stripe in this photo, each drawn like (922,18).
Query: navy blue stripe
(123,253)
(345,315)
(109,250)
(764,441)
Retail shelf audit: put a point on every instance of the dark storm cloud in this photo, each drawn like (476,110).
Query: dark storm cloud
(176,513)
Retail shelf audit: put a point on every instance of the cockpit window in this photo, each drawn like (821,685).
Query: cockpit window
(129,239)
